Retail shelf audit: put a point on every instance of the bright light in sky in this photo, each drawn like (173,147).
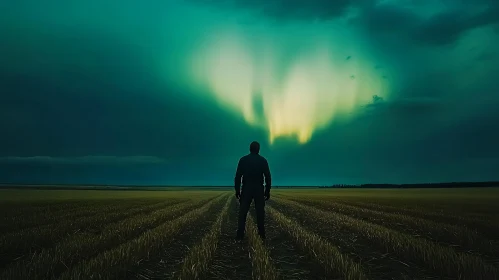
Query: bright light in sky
(289,85)
(190,83)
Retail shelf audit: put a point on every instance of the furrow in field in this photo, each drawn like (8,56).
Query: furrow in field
(196,263)
(458,209)
(167,262)
(376,264)
(114,263)
(466,207)
(16,245)
(231,259)
(262,264)
(470,206)
(18,215)
(458,237)
(322,260)
(11,208)
(86,245)
(443,260)
(41,218)
(487,228)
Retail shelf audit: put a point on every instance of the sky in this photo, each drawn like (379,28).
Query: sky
(173,92)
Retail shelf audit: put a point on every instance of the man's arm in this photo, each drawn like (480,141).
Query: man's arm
(239,175)
(268,177)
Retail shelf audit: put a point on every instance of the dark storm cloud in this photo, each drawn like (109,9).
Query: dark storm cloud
(290,9)
(386,18)
(443,28)
(448,27)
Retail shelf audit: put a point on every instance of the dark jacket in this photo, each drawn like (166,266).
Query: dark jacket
(252,168)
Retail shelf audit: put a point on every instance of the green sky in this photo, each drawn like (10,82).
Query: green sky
(173,92)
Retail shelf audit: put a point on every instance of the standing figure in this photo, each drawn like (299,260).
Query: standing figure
(252,168)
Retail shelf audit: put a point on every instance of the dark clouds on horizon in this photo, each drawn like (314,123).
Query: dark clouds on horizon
(82,89)
(444,27)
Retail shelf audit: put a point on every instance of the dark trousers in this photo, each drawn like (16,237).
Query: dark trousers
(245,202)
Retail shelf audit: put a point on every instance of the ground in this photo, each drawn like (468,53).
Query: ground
(189,234)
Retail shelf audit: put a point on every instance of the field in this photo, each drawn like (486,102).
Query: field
(189,234)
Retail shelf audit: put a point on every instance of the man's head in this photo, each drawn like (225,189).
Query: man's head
(254,147)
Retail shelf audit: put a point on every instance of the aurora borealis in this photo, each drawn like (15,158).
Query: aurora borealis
(173,92)
(288,94)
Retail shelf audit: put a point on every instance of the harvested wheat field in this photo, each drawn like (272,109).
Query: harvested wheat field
(189,234)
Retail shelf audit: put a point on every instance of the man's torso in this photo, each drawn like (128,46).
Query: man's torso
(253,166)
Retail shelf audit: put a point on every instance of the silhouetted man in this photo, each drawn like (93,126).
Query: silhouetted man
(252,168)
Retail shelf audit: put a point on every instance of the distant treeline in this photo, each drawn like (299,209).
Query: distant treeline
(159,187)
(423,185)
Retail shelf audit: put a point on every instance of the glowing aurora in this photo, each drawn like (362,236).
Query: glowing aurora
(290,89)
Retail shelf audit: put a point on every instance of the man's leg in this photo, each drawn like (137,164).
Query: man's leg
(245,203)
(260,213)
